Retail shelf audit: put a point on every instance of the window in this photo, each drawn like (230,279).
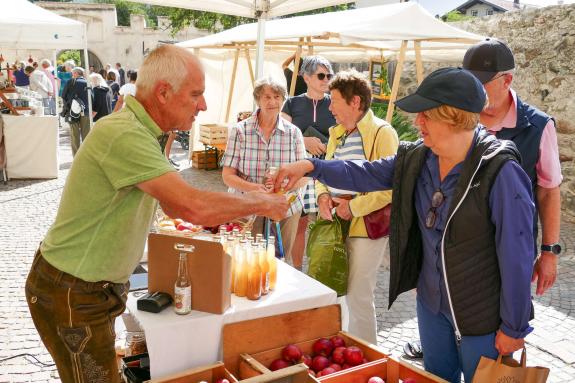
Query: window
(489,12)
(474,13)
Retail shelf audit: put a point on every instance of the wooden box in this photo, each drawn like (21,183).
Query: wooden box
(209,268)
(250,346)
(391,370)
(211,134)
(205,159)
(208,373)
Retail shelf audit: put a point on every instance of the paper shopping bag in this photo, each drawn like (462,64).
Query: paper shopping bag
(507,370)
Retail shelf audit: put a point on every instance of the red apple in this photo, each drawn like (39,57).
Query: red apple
(307,360)
(337,341)
(345,366)
(323,347)
(335,366)
(353,356)
(337,355)
(376,379)
(319,363)
(291,353)
(185,226)
(327,371)
(278,364)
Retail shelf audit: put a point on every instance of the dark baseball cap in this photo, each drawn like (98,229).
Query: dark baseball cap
(446,86)
(487,58)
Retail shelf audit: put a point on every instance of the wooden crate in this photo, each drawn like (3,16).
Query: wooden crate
(211,134)
(208,373)
(390,369)
(250,346)
(205,159)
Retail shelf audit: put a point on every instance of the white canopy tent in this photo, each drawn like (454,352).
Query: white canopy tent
(262,10)
(354,35)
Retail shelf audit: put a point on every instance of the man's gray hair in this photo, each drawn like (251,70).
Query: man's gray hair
(45,62)
(167,63)
(79,71)
(311,63)
(276,86)
(70,64)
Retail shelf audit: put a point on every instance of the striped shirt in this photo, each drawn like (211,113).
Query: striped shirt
(251,155)
(348,148)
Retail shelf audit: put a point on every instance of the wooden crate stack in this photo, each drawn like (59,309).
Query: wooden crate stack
(213,134)
(205,159)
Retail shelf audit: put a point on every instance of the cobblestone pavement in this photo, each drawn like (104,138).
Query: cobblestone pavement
(28,207)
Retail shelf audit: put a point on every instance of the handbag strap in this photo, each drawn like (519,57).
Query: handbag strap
(373,146)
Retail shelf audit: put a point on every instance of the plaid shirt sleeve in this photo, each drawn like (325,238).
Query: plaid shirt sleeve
(300,152)
(232,155)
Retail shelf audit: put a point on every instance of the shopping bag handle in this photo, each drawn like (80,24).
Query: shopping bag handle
(523,358)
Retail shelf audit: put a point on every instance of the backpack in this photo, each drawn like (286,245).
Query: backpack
(77,108)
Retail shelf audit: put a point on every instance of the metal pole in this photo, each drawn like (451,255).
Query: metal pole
(260,45)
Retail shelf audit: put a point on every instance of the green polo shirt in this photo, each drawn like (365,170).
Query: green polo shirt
(103,218)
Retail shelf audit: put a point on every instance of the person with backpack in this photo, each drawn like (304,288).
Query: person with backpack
(75,97)
(101,97)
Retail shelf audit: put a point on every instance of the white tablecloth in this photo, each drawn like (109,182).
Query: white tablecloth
(176,342)
(31,146)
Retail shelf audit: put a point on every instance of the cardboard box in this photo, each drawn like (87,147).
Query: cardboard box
(250,346)
(211,134)
(209,268)
(391,370)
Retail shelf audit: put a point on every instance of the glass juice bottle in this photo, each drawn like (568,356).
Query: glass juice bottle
(241,279)
(183,286)
(272,262)
(264,266)
(254,289)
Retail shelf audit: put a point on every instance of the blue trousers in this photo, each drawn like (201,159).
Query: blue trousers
(442,355)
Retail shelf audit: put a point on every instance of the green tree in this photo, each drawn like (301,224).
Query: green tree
(68,55)
(455,16)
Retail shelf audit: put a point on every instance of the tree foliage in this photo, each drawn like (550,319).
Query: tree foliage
(69,55)
(455,16)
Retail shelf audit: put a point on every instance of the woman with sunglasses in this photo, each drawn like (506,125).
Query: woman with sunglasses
(461,225)
(310,112)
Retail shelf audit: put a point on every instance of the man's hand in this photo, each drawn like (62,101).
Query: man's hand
(545,272)
(342,208)
(314,145)
(506,344)
(274,206)
(293,173)
(261,188)
(325,204)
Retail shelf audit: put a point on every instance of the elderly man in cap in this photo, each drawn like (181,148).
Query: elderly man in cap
(462,215)
(533,132)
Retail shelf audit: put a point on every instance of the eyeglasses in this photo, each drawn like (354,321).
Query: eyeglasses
(436,201)
(322,76)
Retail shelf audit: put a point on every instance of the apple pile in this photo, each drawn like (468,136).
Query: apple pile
(328,356)
(179,225)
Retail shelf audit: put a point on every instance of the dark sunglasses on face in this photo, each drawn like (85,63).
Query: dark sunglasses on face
(322,76)
(436,201)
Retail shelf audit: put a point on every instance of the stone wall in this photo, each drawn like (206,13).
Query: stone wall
(543,42)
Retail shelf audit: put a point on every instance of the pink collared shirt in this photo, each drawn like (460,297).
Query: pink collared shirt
(548,166)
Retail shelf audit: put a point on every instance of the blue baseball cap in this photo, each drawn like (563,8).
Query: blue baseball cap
(455,87)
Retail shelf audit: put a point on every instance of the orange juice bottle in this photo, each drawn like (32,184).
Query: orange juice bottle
(272,262)
(229,248)
(254,289)
(241,279)
(264,266)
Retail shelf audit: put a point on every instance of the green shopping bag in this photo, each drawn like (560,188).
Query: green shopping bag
(328,261)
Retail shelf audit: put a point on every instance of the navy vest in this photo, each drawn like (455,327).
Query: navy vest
(527,138)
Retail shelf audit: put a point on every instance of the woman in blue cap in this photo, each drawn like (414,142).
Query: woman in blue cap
(460,225)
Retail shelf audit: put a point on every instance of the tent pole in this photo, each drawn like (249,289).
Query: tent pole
(260,45)
(234,70)
(418,62)
(295,72)
(249,60)
(309,46)
(396,78)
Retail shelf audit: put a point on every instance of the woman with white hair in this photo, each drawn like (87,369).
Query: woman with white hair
(102,97)
(259,143)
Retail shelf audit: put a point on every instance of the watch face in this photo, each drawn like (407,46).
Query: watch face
(556,248)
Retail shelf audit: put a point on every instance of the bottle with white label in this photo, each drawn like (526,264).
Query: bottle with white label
(183,287)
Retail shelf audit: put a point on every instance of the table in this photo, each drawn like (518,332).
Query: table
(176,343)
(31,146)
